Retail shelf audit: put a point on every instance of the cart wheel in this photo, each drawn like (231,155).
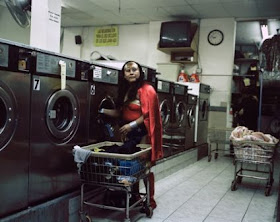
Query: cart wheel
(216,155)
(233,186)
(209,158)
(267,191)
(239,179)
(149,212)
(85,219)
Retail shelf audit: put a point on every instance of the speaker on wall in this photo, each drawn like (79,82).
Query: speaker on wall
(78,39)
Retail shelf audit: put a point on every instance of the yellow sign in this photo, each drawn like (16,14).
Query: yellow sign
(106,36)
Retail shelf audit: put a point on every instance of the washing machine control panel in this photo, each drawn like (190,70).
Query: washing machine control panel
(179,89)
(4,55)
(49,64)
(163,86)
(105,75)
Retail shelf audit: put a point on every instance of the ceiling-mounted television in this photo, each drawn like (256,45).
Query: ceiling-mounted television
(175,34)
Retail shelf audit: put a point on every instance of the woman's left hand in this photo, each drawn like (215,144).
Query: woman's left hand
(125,129)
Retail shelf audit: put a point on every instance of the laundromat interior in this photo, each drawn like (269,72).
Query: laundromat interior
(215,66)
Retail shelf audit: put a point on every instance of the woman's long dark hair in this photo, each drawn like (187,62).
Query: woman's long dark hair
(124,85)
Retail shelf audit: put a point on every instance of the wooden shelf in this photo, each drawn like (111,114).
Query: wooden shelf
(244,60)
(179,49)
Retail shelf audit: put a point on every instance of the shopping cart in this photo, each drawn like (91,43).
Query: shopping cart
(114,173)
(219,137)
(248,153)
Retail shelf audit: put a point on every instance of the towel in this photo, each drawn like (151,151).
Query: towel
(80,156)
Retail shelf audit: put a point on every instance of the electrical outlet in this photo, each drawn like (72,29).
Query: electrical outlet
(199,70)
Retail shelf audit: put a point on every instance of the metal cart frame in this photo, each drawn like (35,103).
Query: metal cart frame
(118,172)
(257,153)
(219,136)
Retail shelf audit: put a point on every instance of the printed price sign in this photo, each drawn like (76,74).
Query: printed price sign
(106,36)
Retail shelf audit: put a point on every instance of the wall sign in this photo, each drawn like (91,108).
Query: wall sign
(106,36)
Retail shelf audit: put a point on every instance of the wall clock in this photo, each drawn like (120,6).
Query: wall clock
(215,37)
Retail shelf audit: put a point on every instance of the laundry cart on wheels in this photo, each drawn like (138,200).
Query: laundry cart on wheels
(219,142)
(254,159)
(112,175)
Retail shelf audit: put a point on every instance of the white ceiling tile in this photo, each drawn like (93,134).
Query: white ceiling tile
(182,12)
(79,16)
(210,10)
(195,2)
(268,8)
(165,3)
(247,8)
(135,14)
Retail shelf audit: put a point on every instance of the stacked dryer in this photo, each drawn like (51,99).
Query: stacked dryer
(15,64)
(59,111)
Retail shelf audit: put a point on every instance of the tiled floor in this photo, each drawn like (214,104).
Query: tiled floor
(202,192)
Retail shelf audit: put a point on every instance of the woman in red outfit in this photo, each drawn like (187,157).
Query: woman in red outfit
(138,108)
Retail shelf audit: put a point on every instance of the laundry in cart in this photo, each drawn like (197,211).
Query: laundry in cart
(253,148)
(110,171)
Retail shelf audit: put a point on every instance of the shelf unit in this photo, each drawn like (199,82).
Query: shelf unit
(185,55)
(245,82)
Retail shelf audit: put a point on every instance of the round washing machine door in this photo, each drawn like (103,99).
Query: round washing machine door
(8,116)
(180,112)
(62,115)
(191,117)
(165,112)
(106,123)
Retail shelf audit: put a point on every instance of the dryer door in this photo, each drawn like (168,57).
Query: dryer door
(165,111)
(8,116)
(180,113)
(191,117)
(62,115)
(107,125)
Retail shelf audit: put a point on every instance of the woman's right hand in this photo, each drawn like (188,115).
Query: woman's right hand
(125,129)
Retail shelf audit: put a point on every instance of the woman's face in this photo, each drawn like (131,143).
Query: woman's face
(131,72)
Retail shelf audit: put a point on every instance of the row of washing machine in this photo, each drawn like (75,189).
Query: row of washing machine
(184,110)
(44,113)
(49,103)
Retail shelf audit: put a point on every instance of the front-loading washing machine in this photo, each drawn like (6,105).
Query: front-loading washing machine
(15,67)
(59,111)
(180,118)
(165,96)
(103,94)
(202,91)
(190,121)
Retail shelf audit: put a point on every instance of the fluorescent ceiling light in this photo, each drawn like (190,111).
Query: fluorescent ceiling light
(264,30)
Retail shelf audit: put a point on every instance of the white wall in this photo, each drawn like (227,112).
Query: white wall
(217,61)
